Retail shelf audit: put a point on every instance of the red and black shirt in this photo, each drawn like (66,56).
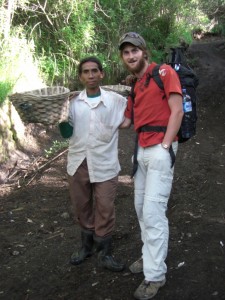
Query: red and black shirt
(150,106)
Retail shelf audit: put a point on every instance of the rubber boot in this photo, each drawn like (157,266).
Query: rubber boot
(105,258)
(87,243)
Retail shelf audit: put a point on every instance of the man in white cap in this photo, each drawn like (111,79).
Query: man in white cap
(157,116)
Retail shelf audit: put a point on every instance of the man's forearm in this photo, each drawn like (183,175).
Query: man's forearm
(173,128)
(126,123)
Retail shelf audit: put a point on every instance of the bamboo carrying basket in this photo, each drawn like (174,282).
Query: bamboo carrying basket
(47,105)
(119,89)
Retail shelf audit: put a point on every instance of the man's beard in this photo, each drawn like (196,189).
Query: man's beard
(139,66)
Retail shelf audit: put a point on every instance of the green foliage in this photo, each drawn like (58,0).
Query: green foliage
(211,7)
(5,89)
(178,35)
(48,67)
(56,147)
(219,29)
(63,32)
(18,69)
(215,11)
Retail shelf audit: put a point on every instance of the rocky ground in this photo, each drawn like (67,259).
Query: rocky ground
(38,235)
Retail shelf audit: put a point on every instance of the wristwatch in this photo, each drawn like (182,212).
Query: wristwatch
(165,146)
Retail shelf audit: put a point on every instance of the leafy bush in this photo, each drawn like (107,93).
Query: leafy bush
(218,29)
(5,89)
(56,147)
(18,69)
(62,32)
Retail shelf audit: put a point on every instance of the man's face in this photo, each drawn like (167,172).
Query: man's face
(133,58)
(91,76)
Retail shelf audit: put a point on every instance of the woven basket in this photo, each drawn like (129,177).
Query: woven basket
(119,89)
(47,105)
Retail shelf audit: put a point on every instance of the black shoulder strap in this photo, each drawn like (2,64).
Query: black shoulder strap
(132,93)
(156,77)
(132,96)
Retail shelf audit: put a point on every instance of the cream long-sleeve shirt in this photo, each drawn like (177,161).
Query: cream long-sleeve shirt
(95,134)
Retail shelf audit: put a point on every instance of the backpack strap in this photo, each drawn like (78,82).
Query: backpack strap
(135,162)
(132,96)
(156,76)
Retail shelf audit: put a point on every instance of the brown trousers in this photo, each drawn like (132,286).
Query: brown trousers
(93,203)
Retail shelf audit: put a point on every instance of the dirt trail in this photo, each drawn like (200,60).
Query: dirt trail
(37,233)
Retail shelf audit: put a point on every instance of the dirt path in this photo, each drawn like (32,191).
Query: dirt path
(37,233)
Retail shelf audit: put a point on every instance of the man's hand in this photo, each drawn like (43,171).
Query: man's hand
(129,80)
(126,123)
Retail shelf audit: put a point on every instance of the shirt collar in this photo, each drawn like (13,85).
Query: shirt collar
(103,96)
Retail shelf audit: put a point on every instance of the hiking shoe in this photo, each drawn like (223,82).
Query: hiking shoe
(137,266)
(148,289)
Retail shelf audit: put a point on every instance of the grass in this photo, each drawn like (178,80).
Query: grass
(55,148)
